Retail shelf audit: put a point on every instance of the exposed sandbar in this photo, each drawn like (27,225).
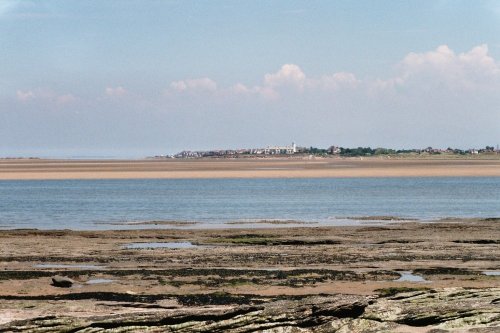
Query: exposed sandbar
(247,168)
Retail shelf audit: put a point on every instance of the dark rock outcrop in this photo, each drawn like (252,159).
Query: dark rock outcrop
(62,281)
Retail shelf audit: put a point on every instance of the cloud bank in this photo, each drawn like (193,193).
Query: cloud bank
(438,98)
(469,71)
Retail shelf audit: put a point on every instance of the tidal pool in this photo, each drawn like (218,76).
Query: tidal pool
(408,276)
(159,245)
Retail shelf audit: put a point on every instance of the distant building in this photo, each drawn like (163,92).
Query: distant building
(278,150)
(334,150)
(270,150)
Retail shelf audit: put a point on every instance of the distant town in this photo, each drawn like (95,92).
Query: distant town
(293,149)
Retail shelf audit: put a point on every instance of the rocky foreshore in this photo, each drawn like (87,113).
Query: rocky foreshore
(444,310)
(390,277)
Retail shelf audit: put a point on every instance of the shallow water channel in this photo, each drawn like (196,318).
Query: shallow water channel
(159,245)
(90,267)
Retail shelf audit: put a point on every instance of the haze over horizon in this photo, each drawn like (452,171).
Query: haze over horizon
(140,78)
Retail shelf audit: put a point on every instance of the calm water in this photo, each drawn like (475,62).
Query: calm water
(94,204)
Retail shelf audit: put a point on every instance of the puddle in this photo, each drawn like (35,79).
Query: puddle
(94,267)
(491,273)
(159,245)
(408,276)
(99,281)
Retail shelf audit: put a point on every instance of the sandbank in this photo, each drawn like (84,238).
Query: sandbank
(21,169)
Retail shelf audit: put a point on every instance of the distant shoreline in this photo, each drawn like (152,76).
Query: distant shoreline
(206,168)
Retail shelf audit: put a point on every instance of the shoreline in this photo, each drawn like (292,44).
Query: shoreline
(236,225)
(247,168)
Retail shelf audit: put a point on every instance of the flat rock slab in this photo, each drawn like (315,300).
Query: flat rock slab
(445,310)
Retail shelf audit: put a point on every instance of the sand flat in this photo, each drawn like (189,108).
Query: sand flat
(18,169)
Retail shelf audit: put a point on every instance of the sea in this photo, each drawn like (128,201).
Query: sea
(236,203)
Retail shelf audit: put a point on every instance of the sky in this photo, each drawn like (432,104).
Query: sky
(139,78)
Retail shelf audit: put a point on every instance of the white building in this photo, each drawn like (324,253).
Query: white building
(277,150)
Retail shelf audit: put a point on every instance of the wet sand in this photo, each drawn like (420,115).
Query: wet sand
(238,265)
(296,167)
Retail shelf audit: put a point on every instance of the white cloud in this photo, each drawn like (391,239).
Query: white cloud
(289,79)
(266,92)
(25,96)
(442,56)
(45,96)
(292,76)
(336,81)
(115,91)
(178,85)
(240,88)
(289,74)
(200,85)
(469,70)
(479,60)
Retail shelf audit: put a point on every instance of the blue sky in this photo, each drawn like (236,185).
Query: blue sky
(135,78)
